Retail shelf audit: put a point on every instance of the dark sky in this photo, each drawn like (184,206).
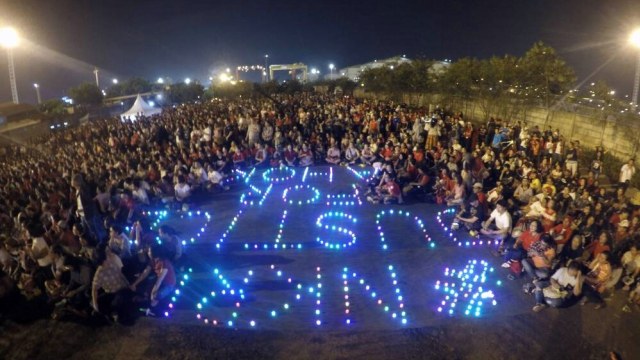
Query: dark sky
(183,38)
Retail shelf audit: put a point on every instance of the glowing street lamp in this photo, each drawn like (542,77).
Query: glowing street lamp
(187,81)
(9,39)
(634,40)
(114,81)
(160,80)
(266,66)
(37,87)
(331,67)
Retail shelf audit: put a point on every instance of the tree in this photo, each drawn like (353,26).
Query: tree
(135,85)
(86,94)
(54,107)
(181,92)
(545,75)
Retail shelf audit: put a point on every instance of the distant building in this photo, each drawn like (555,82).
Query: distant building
(353,72)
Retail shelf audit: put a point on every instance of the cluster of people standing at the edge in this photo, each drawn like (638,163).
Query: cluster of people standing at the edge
(75,239)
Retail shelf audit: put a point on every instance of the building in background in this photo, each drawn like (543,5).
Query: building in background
(353,72)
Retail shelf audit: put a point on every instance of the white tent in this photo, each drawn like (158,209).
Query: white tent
(139,108)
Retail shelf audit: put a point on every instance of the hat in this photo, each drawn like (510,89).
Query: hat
(477,185)
(624,223)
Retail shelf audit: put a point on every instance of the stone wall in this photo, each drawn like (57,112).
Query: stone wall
(619,136)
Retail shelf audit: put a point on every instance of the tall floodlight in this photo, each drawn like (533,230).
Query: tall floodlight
(37,87)
(331,67)
(9,39)
(266,67)
(95,72)
(634,39)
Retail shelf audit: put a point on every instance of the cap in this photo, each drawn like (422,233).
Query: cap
(477,185)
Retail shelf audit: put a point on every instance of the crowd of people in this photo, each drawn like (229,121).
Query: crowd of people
(74,235)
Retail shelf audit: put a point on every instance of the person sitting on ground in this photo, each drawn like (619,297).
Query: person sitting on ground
(333,154)
(498,225)
(596,280)
(472,220)
(261,156)
(368,157)
(456,196)
(305,156)
(540,258)
(165,278)
(119,242)
(290,156)
(562,232)
(563,286)
(351,155)
(113,299)
(183,192)
(421,183)
(631,263)
(215,180)
(389,192)
(522,244)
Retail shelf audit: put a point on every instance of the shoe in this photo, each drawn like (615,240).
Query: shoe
(599,306)
(506,264)
(539,307)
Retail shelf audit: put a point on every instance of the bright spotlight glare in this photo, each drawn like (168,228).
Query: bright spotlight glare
(160,81)
(187,81)
(9,38)
(634,39)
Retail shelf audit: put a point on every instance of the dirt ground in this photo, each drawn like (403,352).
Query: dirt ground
(575,333)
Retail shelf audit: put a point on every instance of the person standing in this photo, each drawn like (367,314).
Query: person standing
(626,173)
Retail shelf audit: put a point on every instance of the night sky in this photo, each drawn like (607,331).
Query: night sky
(65,39)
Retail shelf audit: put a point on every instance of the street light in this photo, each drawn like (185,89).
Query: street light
(160,80)
(9,39)
(115,81)
(331,67)
(38,92)
(266,67)
(187,81)
(634,39)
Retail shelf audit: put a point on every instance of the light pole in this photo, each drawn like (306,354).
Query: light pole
(266,67)
(38,92)
(95,72)
(9,40)
(634,39)
(331,67)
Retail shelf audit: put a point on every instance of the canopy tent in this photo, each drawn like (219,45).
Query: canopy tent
(139,108)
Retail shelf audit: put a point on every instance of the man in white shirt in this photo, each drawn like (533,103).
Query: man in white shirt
(626,173)
(182,189)
(563,285)
(501,226)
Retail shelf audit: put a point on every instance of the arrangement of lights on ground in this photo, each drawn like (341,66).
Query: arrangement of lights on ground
(312,291)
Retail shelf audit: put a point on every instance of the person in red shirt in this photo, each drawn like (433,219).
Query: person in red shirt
(600,246)
(390,192)
(562,233)
(523,243)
